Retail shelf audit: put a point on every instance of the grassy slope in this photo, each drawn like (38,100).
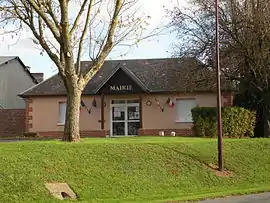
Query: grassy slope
(131,169)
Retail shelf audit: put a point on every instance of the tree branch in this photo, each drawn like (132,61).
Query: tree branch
(109,42)
(77,19)
(51,25)
(84,32)
(53,16)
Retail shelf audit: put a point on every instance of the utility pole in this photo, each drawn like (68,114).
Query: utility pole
(220,153)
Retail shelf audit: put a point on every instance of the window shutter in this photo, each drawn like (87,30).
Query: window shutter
(183,108)
(62,112)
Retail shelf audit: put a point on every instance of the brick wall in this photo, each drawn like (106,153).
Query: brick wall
(28,114)
(12,122)
(228,97)
(59,134)
(167,132)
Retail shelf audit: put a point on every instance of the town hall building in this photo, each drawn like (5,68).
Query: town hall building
(127,98)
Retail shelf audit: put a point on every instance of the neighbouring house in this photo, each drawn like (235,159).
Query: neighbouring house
(129,97)
(14,78)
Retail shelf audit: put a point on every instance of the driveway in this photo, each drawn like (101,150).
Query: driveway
(255,198)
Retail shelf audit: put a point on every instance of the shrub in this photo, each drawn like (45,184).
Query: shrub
(236,122)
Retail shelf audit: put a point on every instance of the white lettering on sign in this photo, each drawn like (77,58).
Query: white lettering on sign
(120,87)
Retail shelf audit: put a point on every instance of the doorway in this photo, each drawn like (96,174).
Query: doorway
(124,117)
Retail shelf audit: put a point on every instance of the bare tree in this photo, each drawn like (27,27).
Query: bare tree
(244,45)
(67,29)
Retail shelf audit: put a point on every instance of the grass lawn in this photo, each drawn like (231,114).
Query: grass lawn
(139,169)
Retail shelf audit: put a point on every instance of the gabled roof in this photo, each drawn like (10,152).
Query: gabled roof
(152,75)
(6,59)
(128,73)
(136,79)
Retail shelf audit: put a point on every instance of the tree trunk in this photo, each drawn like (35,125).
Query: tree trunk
(266,126)
(262,128)
(258,131)
(267,129)
(72,125)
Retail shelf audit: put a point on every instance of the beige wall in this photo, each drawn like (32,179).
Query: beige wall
(154,118)
(45,112)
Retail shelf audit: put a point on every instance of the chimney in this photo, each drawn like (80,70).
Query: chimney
(38,76)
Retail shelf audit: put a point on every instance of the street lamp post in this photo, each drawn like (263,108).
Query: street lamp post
(220,154)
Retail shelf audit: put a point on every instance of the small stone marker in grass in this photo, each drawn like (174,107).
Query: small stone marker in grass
(60,190)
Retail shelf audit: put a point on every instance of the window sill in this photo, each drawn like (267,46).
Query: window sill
(60,124)
(177,121)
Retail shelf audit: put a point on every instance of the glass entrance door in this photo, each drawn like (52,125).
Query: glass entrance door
(125,117)
(118,120)
(133,120)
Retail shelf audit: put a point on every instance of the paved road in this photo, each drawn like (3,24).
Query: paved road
(256,198)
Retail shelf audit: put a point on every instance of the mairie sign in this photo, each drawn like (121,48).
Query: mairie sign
(120,87)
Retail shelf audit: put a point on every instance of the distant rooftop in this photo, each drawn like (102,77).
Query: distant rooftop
(4,59)
(37,77)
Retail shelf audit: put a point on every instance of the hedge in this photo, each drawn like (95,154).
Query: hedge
(236,122)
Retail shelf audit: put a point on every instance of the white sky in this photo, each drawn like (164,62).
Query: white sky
(157,47)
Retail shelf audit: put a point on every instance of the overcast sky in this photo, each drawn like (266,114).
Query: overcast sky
(157,47)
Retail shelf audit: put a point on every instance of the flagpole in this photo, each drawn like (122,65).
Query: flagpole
(219,123)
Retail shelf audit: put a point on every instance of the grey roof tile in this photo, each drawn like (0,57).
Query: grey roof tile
(156,75)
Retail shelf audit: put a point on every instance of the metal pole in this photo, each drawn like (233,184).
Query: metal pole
(220,154)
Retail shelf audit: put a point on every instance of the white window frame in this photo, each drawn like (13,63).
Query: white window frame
(185,119)
(62,118)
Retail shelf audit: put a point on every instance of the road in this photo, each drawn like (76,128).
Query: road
(254,198)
